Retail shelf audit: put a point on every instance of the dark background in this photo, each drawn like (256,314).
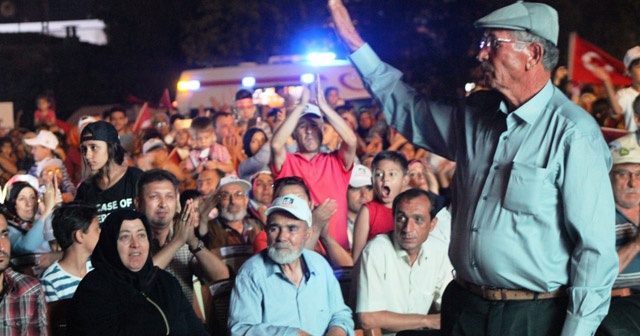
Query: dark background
(152,41)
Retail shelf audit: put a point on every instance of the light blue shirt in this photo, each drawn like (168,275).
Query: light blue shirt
(532,206)
(265,302)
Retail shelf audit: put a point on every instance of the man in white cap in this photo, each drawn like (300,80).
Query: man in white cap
(287,289)
(360,192)
(625,180)
(156,155)
(326,174)
(233,226)
(533,244)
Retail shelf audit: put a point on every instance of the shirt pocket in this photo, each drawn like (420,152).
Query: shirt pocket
(524,188)
(17,324)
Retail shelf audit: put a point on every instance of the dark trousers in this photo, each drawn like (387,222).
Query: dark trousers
(465,313)
(623,317)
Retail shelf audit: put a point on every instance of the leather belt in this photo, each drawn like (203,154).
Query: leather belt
(620,292)
(503,294)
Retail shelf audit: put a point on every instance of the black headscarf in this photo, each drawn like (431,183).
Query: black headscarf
(105,256)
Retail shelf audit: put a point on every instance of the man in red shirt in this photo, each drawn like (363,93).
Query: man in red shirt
(326,174)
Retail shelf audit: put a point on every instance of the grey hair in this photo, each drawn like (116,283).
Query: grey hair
(551,52)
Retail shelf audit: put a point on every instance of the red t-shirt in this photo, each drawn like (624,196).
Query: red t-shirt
(380,219)
(326,177)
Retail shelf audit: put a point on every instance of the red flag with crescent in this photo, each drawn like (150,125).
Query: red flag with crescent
(584,56)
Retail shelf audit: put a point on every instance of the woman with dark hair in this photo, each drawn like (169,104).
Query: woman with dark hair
(110,184)
(26,228)
(125,294)
(255,144)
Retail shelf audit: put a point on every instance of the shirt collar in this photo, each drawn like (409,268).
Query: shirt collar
(530,110)
(271,267)
(402,254)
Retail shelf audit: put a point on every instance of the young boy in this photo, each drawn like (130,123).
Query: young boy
(389,179)
(76,228)
(207,153)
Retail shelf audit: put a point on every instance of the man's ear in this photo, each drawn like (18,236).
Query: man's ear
(535,55)
(433,223)
(78,236)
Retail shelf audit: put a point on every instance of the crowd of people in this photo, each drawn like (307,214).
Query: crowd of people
(527,237)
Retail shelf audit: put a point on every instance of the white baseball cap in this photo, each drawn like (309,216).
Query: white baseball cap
(631,55)
(292,204)
(245,185)
(152,144)
(360,176)
(625,149)
(44,139)
(311,109)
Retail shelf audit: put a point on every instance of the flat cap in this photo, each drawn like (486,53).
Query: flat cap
(533,17)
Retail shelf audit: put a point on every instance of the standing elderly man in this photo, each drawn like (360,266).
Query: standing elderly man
(409,268)
(534,245)
(286,289)
(624,312)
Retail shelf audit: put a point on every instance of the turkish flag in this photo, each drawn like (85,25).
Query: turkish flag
(165,101)
(143,115)
(583,56)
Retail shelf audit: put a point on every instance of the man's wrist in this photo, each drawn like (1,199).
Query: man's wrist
(198,247)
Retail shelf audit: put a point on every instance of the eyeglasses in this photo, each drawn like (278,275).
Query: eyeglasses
(161,124)
(494,42)
(625,175)
(226,196)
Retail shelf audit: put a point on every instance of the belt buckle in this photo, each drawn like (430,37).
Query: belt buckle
(489,293)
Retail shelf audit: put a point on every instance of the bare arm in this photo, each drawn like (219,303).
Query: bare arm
(336,331)
(349,139)
(603,75)
(278,152)
(360,232)
(344,27)
(397,322)
(628,252)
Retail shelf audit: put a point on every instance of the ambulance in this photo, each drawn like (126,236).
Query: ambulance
(205,88)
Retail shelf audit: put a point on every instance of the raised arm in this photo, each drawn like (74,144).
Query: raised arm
(343,25)
(349,140)
(278,151)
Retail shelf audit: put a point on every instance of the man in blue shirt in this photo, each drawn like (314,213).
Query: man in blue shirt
(532,237)
(286,289)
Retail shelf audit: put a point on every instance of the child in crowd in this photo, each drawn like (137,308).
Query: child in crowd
(207,153)
(44,116)
(389,179)
(76,228)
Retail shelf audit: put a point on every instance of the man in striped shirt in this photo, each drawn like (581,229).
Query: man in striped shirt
(624,311)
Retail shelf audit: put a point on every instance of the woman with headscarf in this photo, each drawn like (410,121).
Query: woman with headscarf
(110,184)
(125,294)
(21,211)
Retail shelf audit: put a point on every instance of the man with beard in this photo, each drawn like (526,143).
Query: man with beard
(286,289)
(326,174)
(534,244)
(22,305)
(233,231)
(625,180)
(174,245)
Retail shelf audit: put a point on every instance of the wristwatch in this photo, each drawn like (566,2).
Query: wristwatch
(199,247)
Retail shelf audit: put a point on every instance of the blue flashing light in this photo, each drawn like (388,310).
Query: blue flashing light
(248,82)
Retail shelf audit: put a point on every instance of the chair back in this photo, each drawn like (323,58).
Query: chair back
(217,301)
(58,317)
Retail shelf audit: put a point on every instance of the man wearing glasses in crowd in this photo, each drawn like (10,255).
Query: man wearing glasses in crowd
(532,239)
